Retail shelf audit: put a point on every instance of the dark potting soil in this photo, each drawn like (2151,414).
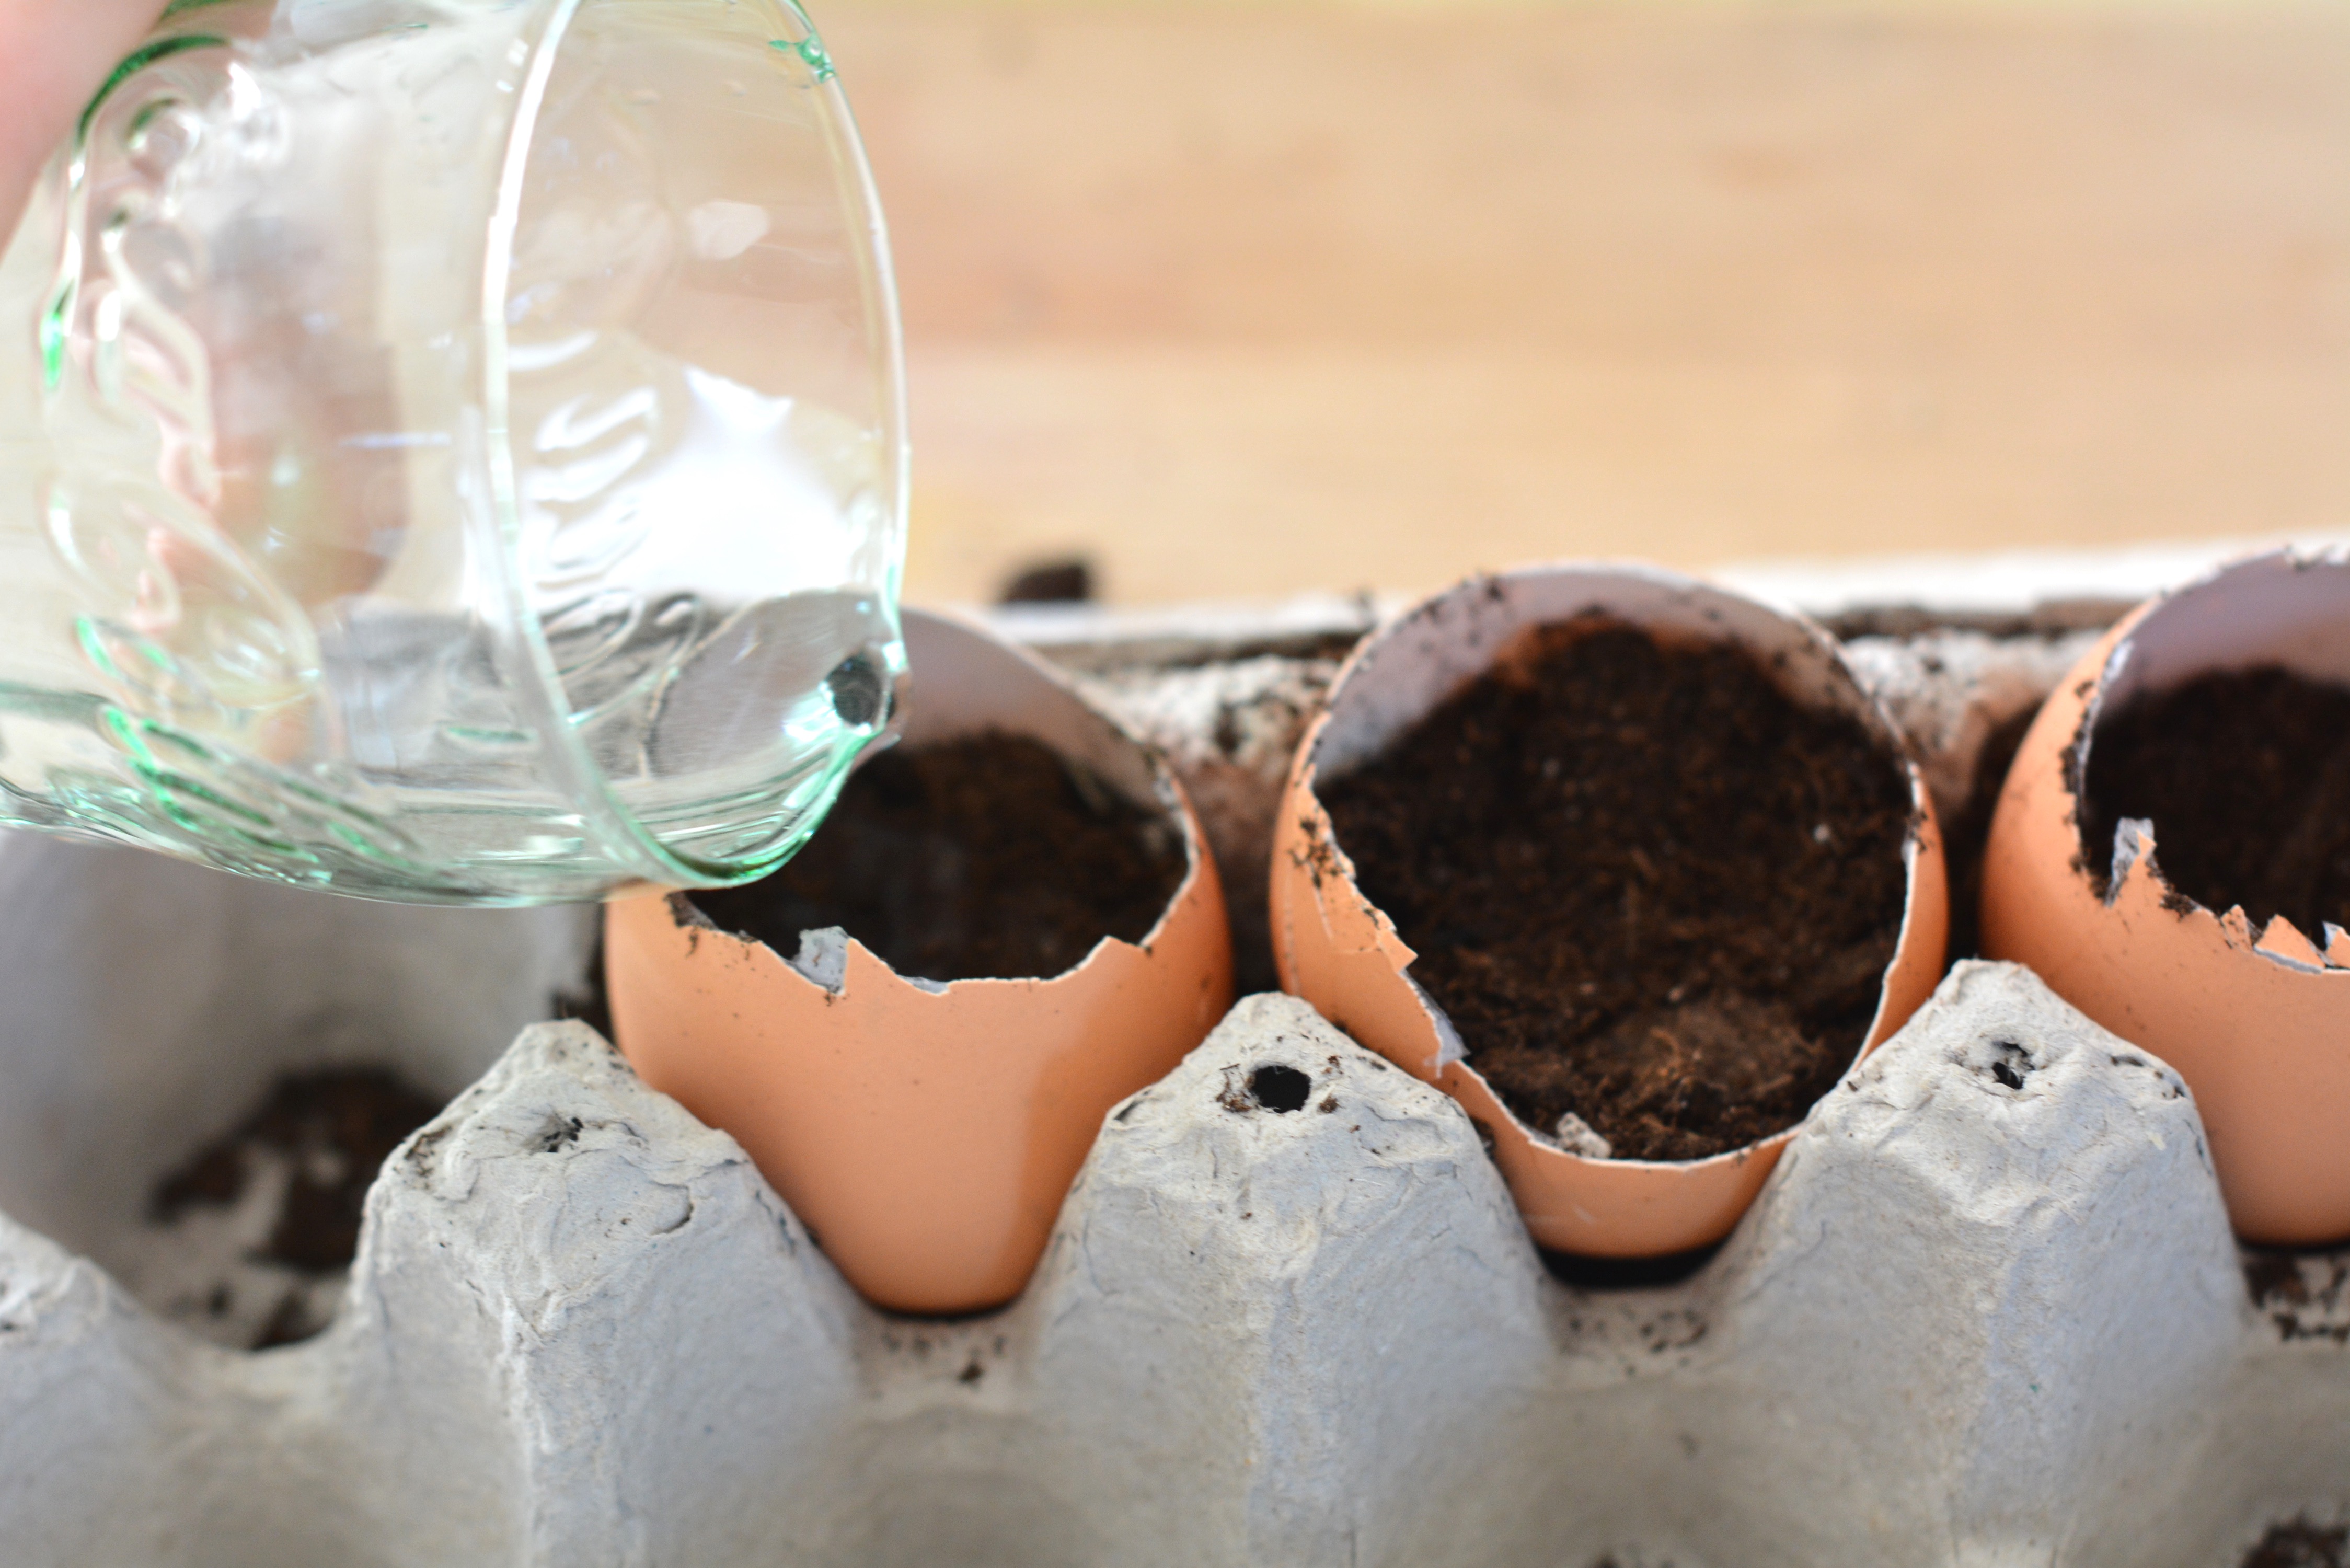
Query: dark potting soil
(985,858)
(2298,1304)
(1646,887)
(334,1126)
(2302,1544)
(2245,775)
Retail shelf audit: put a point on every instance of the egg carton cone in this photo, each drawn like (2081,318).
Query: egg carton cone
(1987,1311)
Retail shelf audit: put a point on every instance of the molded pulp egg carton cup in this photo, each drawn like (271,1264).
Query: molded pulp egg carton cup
(1986,1312)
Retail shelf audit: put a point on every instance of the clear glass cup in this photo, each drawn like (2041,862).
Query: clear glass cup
(452,451)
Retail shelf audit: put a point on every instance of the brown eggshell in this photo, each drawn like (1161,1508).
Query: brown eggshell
(928,1136)
(1341,953)
(2257,1023)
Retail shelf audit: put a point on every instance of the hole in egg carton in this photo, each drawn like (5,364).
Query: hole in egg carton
(204,1072)
(2007,1062)
(1279,1089)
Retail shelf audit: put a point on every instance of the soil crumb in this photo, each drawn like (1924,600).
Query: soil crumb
(1650,890)
(2302,1544)
(309,1153)
(2245,774)
(985,858)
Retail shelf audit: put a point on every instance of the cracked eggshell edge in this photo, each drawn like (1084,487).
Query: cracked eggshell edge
(2258,1031)
(927,1136)
(1341,953)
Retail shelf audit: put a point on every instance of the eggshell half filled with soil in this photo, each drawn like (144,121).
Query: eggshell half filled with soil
(927,1133)
(2256,1021)
(1342,953)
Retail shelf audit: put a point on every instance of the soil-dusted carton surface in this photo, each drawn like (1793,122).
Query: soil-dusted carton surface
(1986,1311)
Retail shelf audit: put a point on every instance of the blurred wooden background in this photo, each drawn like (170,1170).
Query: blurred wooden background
(1244,298)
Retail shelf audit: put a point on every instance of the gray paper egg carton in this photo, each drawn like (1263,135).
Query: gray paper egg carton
(1969,1322)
